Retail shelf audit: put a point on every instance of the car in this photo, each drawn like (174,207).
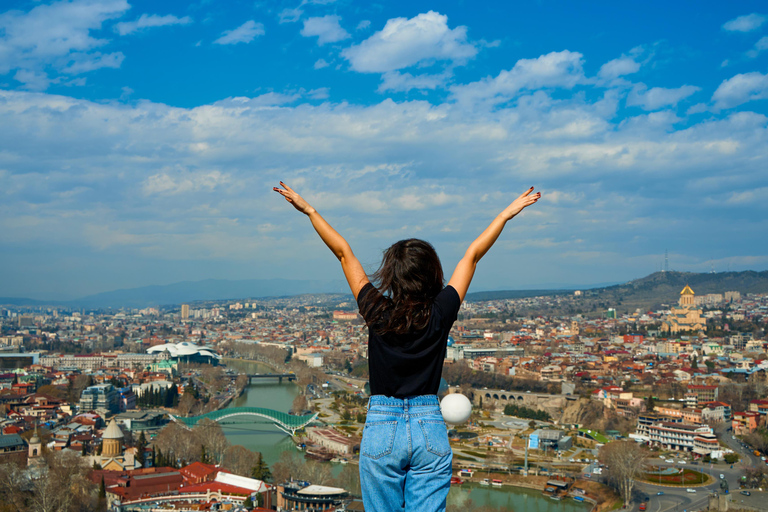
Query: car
(587,475)
(669,461)
(660,493)
(746,493)
(642,506)
(681,462)
(690,490)
(722,476)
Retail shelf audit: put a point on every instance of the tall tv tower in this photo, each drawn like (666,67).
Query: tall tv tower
(666,260)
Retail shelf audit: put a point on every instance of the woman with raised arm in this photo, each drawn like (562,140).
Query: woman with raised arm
(405,458)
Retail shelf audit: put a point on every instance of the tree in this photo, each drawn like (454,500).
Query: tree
(141,447)
(239,460)
(186,404)
(625,460)
(299,404)
(208,434)
(63,471)
(260,470)
(12,484)
(650,403)
(694,363)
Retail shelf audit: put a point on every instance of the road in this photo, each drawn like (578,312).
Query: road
(677,499)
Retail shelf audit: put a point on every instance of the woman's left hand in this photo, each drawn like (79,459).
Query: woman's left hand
(295,199)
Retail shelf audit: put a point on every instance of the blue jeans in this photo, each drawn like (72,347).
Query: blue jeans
(405,458)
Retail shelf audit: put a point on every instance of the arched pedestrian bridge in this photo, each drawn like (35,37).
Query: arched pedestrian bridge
(285,422)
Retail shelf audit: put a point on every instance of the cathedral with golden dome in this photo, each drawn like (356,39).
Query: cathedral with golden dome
(685,318)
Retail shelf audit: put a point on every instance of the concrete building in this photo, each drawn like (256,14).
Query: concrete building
(293,496)
(103,399)
(333,440)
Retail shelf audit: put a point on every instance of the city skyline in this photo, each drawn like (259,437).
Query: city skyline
(139,142)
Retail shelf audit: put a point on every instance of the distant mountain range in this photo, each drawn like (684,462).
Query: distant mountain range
(190,291)
(657,288)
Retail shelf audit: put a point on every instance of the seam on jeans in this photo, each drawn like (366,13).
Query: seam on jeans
(408,433)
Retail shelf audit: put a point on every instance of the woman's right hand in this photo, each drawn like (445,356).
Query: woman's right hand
(526,199)
(294,198)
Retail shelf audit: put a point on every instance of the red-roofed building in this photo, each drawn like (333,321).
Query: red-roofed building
(744,422)
(197,472)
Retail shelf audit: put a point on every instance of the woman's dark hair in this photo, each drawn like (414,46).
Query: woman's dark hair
(409,279)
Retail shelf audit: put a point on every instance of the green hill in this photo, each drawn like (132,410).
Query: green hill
(646,293)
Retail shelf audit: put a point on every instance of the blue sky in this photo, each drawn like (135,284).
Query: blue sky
(139,141)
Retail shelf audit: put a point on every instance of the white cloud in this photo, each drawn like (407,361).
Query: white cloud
(32,80)
(165,184)
(403,43)
(760,46)
(740,89)
(557,69)
(658,97)
(84,62)
(291,15)
(56,36)
(323,93)
(400,82)
(149,21)
(171,182)
(320,64)
(245,33)
(327,29)
(363,25)
(746,23)
(618,67)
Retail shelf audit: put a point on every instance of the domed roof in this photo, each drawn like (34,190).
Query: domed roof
(184,348)
(113,431)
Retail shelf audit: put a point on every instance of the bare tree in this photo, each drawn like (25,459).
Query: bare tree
(349,479)
(12,487)
(626,462)
(239,460)
(176,443)
(186,404)
(293,465)
(209,433)
(299,404)
(63,487)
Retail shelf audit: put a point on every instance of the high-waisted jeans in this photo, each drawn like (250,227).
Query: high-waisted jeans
(405,458)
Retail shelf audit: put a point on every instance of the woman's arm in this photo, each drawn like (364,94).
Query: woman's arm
(465,269)
(353,270)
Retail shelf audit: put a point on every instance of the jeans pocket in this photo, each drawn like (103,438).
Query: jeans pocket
(436,437)
(378,439)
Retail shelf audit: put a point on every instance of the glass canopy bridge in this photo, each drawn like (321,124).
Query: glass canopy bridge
(288,423)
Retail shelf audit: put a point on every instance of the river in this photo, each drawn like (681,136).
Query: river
(271,442)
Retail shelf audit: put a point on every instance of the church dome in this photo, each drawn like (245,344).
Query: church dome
(113,431)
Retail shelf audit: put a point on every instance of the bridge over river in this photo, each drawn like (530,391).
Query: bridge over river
(288,423)
(278,376)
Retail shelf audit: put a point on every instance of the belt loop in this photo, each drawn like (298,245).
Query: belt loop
(405,404)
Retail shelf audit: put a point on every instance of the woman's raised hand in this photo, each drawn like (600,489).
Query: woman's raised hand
(295,199)
(525,199)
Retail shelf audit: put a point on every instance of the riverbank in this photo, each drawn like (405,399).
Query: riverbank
(272,366)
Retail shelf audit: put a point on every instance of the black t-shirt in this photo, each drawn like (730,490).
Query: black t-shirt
(410,365)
